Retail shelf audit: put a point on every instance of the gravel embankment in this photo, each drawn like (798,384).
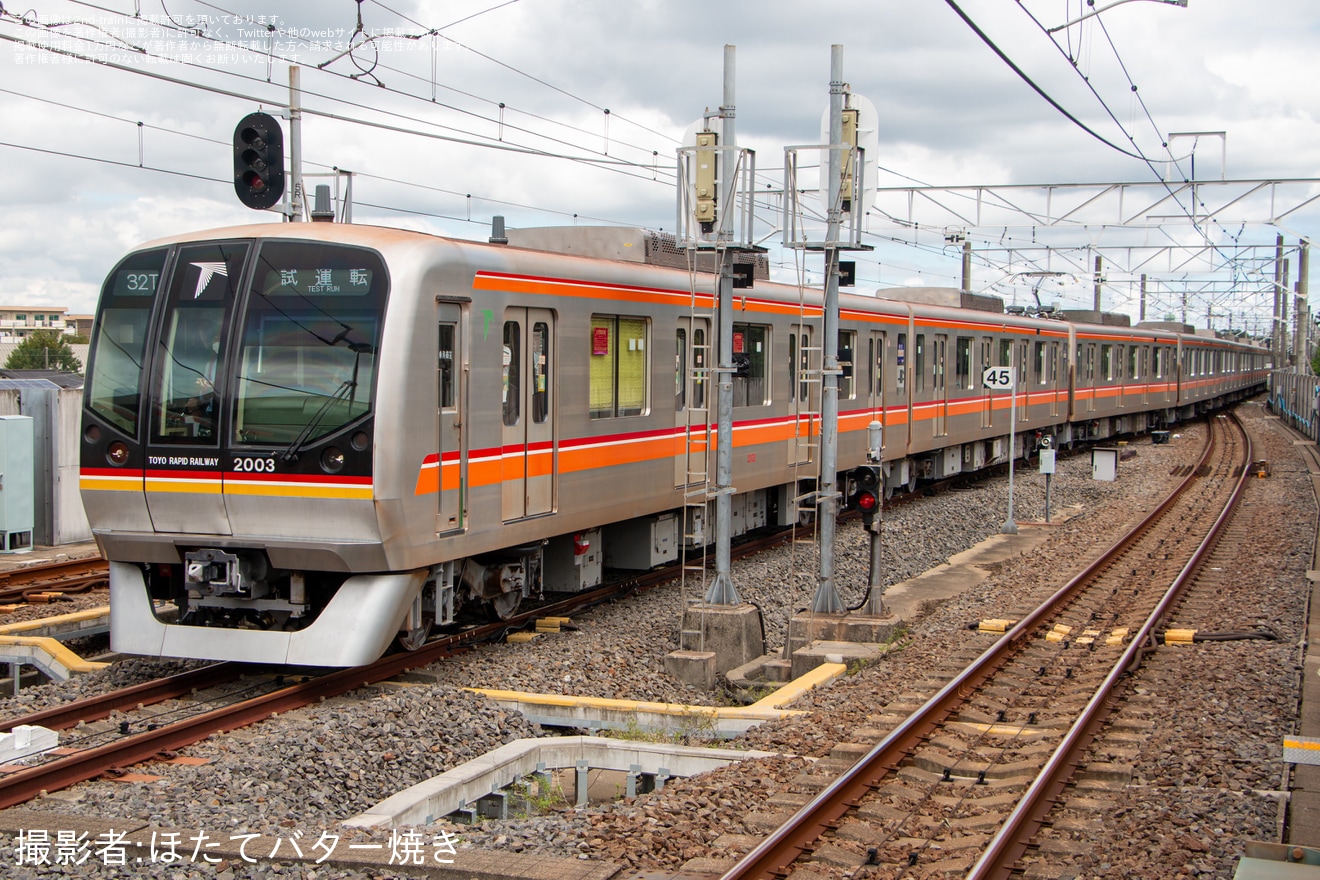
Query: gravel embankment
(310,768)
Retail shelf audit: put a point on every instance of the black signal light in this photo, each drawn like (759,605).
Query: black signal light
(259,161)
(864,492)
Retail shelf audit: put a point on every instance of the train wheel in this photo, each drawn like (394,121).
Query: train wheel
(505,605)
(415,638)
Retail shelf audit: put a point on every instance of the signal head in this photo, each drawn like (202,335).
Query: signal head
(259,161)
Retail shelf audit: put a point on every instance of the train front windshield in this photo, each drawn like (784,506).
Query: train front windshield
(307,357)
(302,319)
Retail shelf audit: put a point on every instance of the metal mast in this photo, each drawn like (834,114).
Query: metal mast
(827,599)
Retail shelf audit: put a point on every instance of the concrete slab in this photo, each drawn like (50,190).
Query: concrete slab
(846,654)
(1303,826)
(967,569)
(1304,804)
(455,789)
(598,713)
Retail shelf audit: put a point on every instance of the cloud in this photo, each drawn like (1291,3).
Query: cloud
(950,111)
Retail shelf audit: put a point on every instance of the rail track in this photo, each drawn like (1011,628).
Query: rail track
(226,696)
(960,786)
(63,576)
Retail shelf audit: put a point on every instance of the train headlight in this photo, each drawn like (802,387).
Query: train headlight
(117,453)
(332,460)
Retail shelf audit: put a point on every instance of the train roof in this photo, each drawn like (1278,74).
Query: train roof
(973,319)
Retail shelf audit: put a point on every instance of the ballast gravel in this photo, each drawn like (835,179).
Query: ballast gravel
(305,771)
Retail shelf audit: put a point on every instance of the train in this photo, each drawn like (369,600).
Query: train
(304,443)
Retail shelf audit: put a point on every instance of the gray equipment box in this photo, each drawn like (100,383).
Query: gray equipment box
(642,543)
(17,484)
(573,562)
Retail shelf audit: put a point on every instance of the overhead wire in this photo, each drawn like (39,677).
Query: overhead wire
(1135,152)
(513,69)
(227,145)
(196,32)
(489,101)
(615,165)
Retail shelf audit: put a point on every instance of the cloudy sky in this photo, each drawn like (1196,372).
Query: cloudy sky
(460,110)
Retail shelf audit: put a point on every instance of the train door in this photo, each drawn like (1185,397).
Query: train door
(692,360)
(1121,375)
(1090,377)
(1057,373)
(876,350)
(1143,368)
(528,409)
(941,385)
(184,478)
(451,451)
(1023,390)
(804,394)
(987,394)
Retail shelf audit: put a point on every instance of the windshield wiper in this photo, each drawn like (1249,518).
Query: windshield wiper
(343,391)
(346,390)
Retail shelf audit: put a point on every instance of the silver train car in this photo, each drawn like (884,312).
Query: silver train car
(313,439)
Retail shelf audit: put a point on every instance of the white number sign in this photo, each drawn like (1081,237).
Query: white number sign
(998,378)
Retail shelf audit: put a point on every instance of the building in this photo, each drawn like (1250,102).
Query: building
(17,322)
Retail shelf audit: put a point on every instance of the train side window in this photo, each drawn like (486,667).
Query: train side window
(962,362)
(446,360)
(875,367)
(512,372)
(680,370)
(114,377)
(792,364)
(900,358)
(919,364)
(1090,362)
(847,345)
(689,364)
(699,362)
(618,366)
(1005,353)
(540,366)
(1038,363)
(751,348)
(799,366)
(1106,362)
(1134,356)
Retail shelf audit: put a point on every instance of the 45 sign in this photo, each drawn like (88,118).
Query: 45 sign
(999,378)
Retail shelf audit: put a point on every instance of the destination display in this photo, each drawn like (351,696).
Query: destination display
(317,282)
(135,282)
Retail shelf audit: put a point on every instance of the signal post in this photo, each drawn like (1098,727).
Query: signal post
(722,632)
(827,632)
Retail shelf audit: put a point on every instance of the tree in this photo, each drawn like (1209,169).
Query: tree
(43,350)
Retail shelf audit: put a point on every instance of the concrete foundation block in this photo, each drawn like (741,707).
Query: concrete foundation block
(809,657)
(866,628)
(778,670)
(806,627)
(732,632)
(695,668)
